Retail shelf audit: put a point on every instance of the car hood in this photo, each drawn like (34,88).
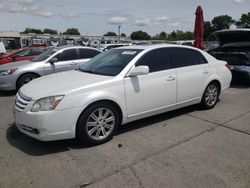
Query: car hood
(61,83)
(232,36)
(14,65)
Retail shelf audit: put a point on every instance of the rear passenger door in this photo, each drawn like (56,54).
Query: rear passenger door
(192,72)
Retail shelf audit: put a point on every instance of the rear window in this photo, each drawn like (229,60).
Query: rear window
(87,53)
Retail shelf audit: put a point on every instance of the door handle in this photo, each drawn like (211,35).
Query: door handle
(170,78)
(205,71)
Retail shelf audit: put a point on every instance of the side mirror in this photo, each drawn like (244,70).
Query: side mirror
(53,60)
(140,70)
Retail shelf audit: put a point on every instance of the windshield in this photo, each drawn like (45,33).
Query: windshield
(43,56)
(110,63)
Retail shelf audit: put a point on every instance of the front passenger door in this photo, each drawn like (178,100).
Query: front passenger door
(154,92)
(66,60)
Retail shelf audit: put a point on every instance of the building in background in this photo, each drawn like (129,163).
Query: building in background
(16,40)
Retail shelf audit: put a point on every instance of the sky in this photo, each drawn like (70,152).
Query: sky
(97,17)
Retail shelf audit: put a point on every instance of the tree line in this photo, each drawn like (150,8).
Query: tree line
(217,23)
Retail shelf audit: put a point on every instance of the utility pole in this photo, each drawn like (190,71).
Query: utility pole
(119,32)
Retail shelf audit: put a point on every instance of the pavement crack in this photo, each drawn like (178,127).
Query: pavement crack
(129,166)
(137,177)
(223,124)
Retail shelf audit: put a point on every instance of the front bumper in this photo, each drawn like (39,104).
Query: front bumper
(48,125)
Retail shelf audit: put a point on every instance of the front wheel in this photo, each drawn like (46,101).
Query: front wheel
(97,124)
(24,79)
(210,96)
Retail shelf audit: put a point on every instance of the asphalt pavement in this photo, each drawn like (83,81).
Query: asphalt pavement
(188,147)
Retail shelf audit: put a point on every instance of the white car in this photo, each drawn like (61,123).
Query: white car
(117,87)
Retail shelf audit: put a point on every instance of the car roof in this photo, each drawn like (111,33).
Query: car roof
(73,47)
(155,46)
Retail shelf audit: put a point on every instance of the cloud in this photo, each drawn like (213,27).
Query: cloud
(151,22)
(161,19)
(25,7)
(118,20)
(176,25)
(143,22)
(23,2)
(241,1)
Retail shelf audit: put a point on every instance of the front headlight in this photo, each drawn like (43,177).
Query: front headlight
(47,103)
(7,72)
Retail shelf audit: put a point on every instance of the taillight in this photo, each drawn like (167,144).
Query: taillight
(229,66)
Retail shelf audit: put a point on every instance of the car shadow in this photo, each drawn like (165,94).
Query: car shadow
(7,93)
(34,147)
(240,84)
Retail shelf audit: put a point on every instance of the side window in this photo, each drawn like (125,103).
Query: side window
(156,60)
(36,52)
(182,57)
(202,59)
(24,53)
(67,55)
(87,53)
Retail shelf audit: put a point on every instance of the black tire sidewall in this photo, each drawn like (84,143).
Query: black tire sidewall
(23,77)
(81,131)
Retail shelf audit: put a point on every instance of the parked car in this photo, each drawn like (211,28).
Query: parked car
(2,49)
(117,87)
(22,54)
(105,47)
(235,49)
(15,75)
(184,42)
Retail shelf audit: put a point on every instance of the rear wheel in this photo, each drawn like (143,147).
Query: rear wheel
(24,79)
(210,96)
(97,123)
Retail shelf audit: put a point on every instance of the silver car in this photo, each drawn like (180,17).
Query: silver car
(15,75)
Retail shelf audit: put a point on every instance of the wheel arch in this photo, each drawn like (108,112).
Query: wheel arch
(18,78)
(116,105)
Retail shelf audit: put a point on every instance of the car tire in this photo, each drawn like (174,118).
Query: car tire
(210,96)
(24,79)
(97,124)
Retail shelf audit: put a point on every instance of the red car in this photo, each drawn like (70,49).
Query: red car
(22,54)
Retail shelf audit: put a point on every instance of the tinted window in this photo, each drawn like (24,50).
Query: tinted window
(36,52)
(67,55)
(44,55)
(182,57)
(24,53)
(87,53)
(156,60)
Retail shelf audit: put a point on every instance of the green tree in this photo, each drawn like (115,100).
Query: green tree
(50,31)
(244,21)
(222,22)
(110,33)
(208,30)
(72,31)
(123,35)
(32,30)
(140,35)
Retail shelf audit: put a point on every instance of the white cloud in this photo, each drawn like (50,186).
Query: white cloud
(25,7)
(143,22)
(161,19)
(241,1)
(22,1)
(176,25)
(118,20)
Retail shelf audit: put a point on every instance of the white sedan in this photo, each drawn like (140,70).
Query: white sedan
(117,87)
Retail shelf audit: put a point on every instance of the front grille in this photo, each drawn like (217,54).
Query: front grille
(21,101)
